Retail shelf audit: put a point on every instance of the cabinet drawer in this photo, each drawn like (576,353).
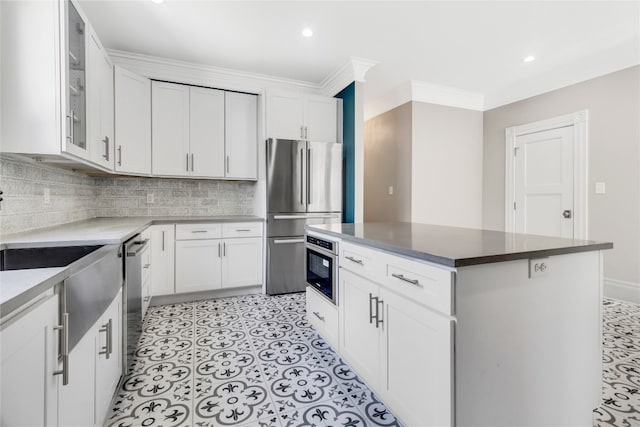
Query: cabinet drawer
(362,261)
(323,315)
(242,229)
(425,284)
(198,231)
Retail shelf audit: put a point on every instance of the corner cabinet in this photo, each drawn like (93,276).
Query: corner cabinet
(28,360)
(132,122)
(308,117)
(201,132)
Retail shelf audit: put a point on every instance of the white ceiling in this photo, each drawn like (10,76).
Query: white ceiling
(475,46)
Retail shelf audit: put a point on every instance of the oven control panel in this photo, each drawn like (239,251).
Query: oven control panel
(321,243)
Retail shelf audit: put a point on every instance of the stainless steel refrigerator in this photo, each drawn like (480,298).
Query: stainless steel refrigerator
(304,186)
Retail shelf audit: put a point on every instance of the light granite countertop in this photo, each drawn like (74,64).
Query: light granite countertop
(17,287)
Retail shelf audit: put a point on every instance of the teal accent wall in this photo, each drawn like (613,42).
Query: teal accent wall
(348,96)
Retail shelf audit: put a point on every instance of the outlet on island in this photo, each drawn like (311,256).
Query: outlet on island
(150,198)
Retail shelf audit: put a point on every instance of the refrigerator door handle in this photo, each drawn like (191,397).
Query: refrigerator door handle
(305,216)
(301,176)
(309,176)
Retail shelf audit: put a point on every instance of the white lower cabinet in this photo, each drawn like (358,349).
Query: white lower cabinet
(162,259)
(212,256)
(95,366)
(323,315)
(241,262)
(360,342)
(402,349)
(416,363)
(198,265)
(29,353)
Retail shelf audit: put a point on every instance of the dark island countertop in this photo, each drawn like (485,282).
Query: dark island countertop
(454,246)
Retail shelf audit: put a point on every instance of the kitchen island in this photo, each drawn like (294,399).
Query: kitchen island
(463,327)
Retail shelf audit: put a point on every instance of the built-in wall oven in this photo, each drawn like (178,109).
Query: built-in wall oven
(321,266)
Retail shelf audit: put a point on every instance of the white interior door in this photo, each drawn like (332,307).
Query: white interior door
(543,182)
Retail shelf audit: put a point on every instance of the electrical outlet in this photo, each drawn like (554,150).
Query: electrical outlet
(47,196)
(150,198)
(601,188)
(538,267)
(391,190)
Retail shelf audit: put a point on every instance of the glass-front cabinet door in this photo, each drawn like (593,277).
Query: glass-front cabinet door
(76,102)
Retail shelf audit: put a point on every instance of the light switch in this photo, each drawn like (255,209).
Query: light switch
(601,188)
(391,190)
(150,198)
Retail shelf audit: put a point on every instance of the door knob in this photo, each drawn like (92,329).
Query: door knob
(567,213)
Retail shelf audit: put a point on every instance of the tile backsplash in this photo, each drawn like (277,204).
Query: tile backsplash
(75,196)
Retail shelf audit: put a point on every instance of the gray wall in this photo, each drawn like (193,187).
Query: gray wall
(446,165)
(75,196)
(613,102)
(387,158)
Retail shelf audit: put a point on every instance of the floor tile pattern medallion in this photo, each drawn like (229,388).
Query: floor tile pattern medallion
(245,361)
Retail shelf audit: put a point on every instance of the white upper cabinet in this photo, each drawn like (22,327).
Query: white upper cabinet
(309,117)
(206,124)
(133,122)
(201,132)
(44,79)
(170,129)
(241,135)
(99,103)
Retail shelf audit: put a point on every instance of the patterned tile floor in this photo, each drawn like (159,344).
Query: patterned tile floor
(244,361)
(621,366)
(256,361)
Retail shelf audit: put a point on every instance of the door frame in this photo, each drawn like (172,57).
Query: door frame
(579,121)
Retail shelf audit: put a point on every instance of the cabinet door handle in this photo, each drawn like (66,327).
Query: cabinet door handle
(371,316)
(191,162)
(306,134)
(106,148)
(315,313)
(352,259)
(224,248)
(163,233)
(64,353)
(227,163)
(406,279)
(219,245)
(108,347)
(301,132)
(119,155)
(187,162)
(379,319)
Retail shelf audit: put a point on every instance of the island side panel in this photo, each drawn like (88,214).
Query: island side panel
(528,350)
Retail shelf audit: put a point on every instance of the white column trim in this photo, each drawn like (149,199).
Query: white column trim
(579,121)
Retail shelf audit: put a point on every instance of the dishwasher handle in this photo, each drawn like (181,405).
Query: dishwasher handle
(137,247)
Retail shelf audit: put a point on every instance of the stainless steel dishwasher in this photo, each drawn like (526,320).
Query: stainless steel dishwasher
(132,313)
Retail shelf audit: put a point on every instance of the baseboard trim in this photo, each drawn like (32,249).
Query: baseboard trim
(622,290)
(197,296)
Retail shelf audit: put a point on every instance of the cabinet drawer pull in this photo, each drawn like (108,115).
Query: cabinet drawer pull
(146,266)
(199,231)
(243,229)
(315,313)
(406,279)
(108,348)
(352,259)
(64,353)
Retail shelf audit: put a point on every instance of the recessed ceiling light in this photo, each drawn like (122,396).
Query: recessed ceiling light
(307,32)
(529,59)
(158,1)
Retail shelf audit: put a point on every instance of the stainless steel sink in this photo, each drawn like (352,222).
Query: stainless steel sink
(28,258)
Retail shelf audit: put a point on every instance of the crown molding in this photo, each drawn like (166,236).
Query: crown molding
(353,70)
(188,72)
(445,95)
